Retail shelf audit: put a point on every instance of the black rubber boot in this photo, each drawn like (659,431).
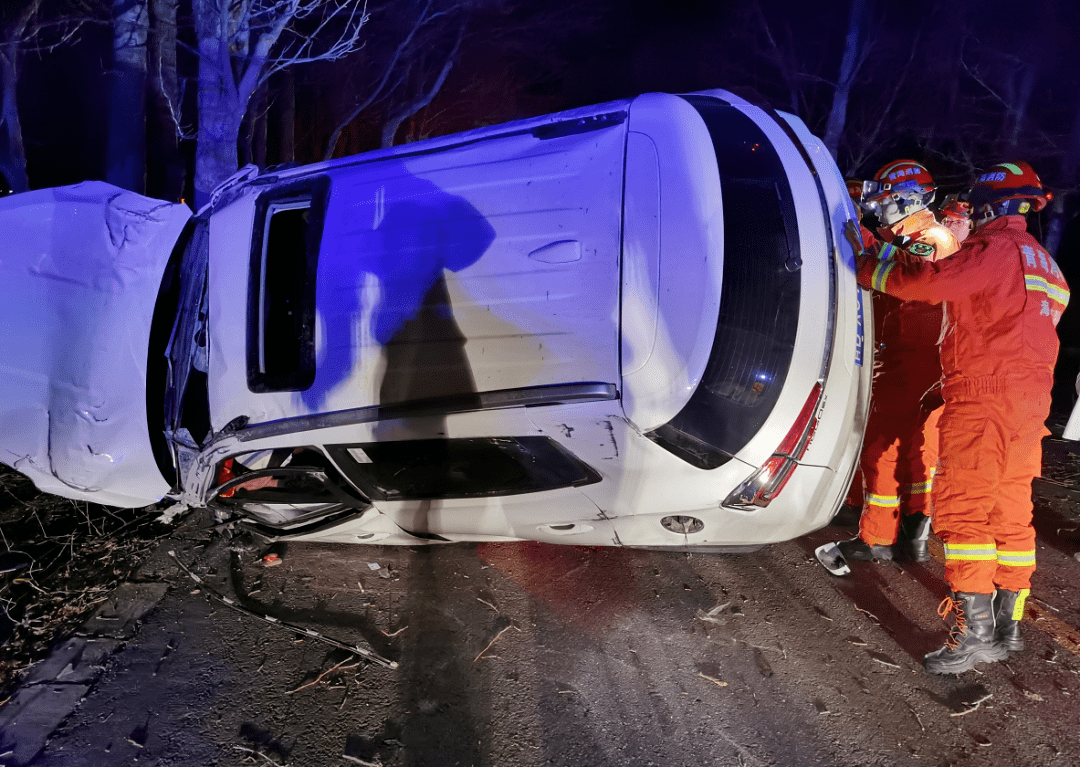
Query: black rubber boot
(860,550)
(1008,612)
(914,536)
(971,640)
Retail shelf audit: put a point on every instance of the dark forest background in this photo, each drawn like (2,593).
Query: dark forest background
(168,97)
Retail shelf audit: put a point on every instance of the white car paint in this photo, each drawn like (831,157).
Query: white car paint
(556,278)
(79,271)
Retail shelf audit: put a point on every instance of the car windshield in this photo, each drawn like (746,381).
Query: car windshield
(759,304)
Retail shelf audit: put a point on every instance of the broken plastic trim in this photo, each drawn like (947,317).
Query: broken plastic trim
(768,481)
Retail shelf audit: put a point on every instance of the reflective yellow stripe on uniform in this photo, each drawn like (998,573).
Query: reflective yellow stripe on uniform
(971,551)
(881,274)
(888,501)
(920,488)
(1018,608)
(1016,558)
(1041,285)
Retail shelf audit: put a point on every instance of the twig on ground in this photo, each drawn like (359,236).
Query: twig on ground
(973,706)
(254,752)
(489,644)
(362,762)
(320,677)
(876,619)
(915,714)
(712,679)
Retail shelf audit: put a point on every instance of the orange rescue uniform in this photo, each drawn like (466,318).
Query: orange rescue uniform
(900,446)
(1003,298)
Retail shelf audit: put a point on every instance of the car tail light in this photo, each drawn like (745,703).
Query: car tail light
(767,482)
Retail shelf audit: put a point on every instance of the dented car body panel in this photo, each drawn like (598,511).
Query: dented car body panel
(631,324)
(79,272)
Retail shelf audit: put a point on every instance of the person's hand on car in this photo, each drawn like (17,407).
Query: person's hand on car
(854,236)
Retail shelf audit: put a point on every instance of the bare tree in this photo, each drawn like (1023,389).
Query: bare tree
(417,45)
(421,99)
(24,30)
(855,49)
(423,21)
(1008,78)
(125,158)
(164,164)
(241,44)
(1070,169)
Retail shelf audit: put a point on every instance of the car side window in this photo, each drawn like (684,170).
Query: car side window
(281,302)
(460,468)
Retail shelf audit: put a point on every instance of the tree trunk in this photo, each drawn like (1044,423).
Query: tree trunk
(12,151)
(849,67)
(164,164)
(219,128)
(1055,230)
(253,140)
(125,158)
(393,123)
(1018,110)
(287,138)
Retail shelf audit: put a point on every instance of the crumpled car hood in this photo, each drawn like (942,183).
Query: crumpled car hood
(80,269)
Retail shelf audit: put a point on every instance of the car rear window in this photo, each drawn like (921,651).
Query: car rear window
(284,258)
(759,303)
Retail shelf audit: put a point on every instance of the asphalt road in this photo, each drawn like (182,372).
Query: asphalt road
(529,654)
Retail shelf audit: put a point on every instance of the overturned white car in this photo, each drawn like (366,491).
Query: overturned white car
(633,324)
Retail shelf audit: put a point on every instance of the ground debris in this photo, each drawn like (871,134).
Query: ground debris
(872,616)
(339,666)
(252,752)
(973,705)
(138,736)
(883,659)
(711,615)
(714,680)
(489,644)
(303,633)
(70,556)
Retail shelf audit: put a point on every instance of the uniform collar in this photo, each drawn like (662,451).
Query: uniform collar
(1004,222)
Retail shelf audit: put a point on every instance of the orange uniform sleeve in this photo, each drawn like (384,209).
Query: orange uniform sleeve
(966,272)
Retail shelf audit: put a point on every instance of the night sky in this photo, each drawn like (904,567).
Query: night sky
(619,49)
(940,82)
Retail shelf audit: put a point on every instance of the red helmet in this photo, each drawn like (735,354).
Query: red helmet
(1008,188)
(854,188)
(952,207)
(898,190)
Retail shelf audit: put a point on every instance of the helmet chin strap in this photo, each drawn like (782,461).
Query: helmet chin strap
(897,209)
(989,211)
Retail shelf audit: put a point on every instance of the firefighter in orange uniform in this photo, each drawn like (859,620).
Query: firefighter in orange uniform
(900,445)
(1004,296)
